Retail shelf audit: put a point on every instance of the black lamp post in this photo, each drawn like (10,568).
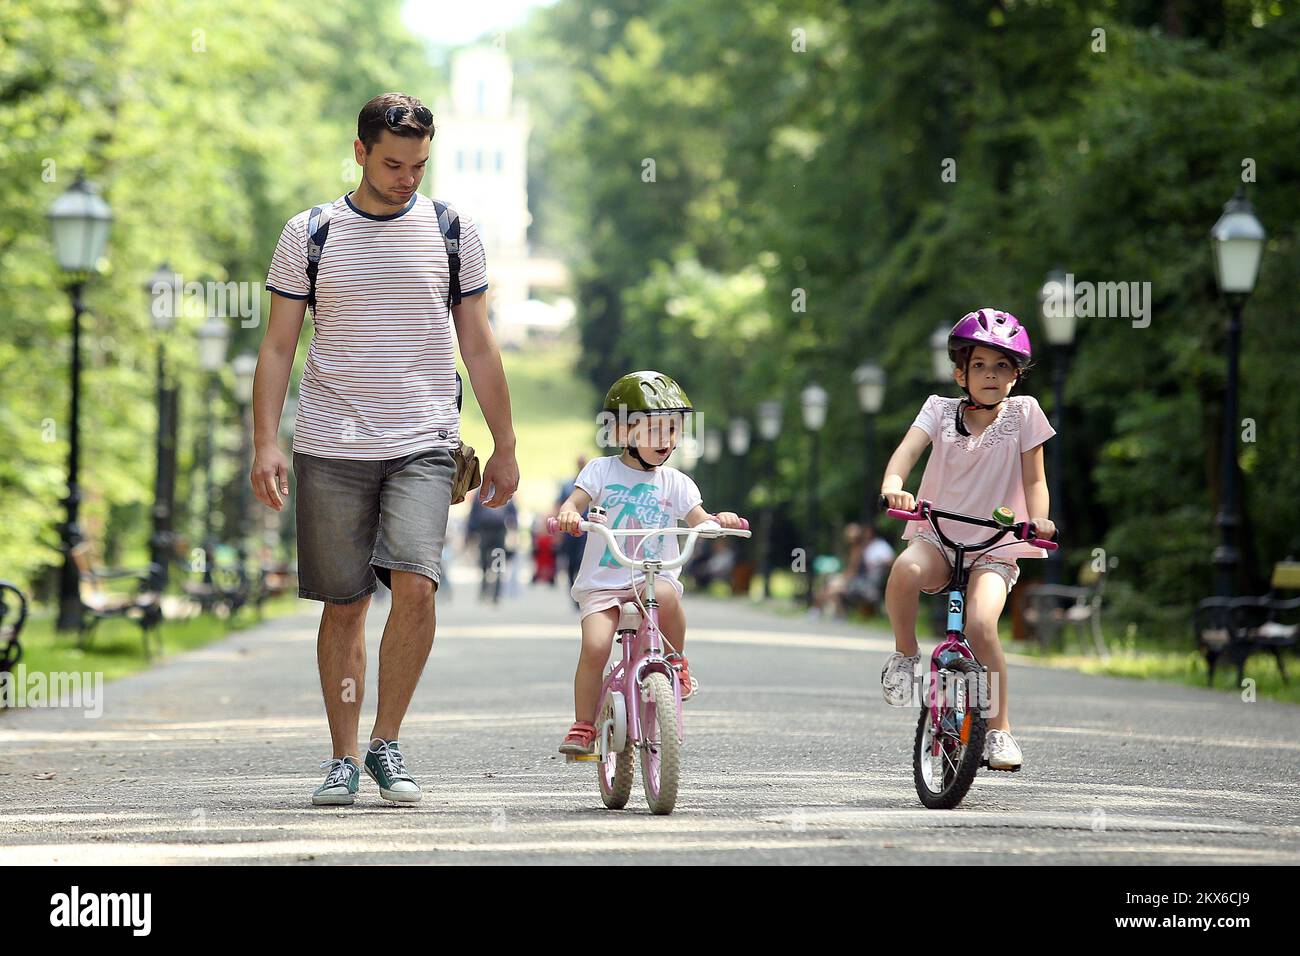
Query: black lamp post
(1059,323)
(738,444)
(79,221)
(245,367)
(869,379)
(212,355)
(288,523)
(813,400)
(1238,243)
(712,458)
(940,364)
(769,429)
(163,289)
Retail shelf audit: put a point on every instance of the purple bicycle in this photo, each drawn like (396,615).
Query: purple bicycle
(949,746)
(641,698)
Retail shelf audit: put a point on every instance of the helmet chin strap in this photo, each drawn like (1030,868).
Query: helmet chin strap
(645,465)
(969,402)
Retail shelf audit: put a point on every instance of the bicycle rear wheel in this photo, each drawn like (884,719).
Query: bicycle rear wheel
(943,778)
(660,749)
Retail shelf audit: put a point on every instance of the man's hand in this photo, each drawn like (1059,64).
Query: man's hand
(501,474)
(270,476)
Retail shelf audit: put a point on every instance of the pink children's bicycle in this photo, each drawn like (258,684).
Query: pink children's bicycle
(641,698)
(949,746)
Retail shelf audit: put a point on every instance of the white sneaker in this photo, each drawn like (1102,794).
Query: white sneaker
(898,679)
(1001,751)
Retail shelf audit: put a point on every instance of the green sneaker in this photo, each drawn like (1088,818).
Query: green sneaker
(384,764)
(340,786)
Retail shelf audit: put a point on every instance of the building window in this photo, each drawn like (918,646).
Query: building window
(460,160)
(500,161)
(478,160)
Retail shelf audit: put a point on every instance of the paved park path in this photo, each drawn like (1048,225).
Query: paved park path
(791,757)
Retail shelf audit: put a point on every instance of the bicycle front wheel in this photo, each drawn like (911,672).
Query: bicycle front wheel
(944,773)
(660,749)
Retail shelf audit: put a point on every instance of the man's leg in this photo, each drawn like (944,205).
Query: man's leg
(341,658)
(408,638)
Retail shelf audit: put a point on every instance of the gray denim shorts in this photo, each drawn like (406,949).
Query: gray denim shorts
(360,520)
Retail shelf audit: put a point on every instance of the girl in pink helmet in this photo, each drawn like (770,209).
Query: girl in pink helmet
(988,453)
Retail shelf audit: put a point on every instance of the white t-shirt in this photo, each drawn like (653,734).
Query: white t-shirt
(632,498)
(380,377)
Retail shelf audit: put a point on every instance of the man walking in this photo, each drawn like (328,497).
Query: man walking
(378,425)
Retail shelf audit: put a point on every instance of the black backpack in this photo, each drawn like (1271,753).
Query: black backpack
(318,230)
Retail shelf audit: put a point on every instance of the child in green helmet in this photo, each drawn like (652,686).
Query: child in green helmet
(637,489)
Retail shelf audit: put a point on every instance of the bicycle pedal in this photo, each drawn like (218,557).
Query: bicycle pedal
(581,758)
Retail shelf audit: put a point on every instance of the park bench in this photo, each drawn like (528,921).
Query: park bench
(1242,626)
(273,581)
(222,596)
(99,603)
(13,615)
(1050,611)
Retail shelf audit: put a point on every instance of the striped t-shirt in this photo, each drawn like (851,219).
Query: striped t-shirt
(380,377)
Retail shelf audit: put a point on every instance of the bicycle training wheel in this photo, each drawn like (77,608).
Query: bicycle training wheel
(614,771)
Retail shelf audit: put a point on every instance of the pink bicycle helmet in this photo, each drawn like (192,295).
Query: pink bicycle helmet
(994,329)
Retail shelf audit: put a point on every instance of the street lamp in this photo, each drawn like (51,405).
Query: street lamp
(869,379)
(212,355)
(712,455)
(689,450)
(1057,311)
(769,429)
(738,445)
(1238,243)
(813,402)
(244,366)
(162,290)
(288,422)
(79,224)
(940,363)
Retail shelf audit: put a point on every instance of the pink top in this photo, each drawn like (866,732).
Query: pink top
(977,474)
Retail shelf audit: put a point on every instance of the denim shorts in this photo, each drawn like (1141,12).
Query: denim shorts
(360,520)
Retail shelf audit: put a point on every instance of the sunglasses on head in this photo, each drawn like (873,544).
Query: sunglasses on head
(394,115)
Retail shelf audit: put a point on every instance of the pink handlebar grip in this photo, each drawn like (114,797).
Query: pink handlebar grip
(744,524)
(1043,543)
(904,515)
(552,525)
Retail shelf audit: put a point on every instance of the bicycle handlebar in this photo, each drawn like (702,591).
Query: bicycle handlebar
(706,529)
(925,510)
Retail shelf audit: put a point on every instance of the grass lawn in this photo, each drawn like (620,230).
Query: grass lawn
(1148,659)
(117,649)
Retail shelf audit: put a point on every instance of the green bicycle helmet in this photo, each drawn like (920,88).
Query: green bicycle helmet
(650,393)
(647,391)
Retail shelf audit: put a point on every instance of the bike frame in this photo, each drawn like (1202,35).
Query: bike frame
(643,652)
(954,644)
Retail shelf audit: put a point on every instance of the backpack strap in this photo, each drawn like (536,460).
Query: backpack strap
(449,224)
(318,230)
